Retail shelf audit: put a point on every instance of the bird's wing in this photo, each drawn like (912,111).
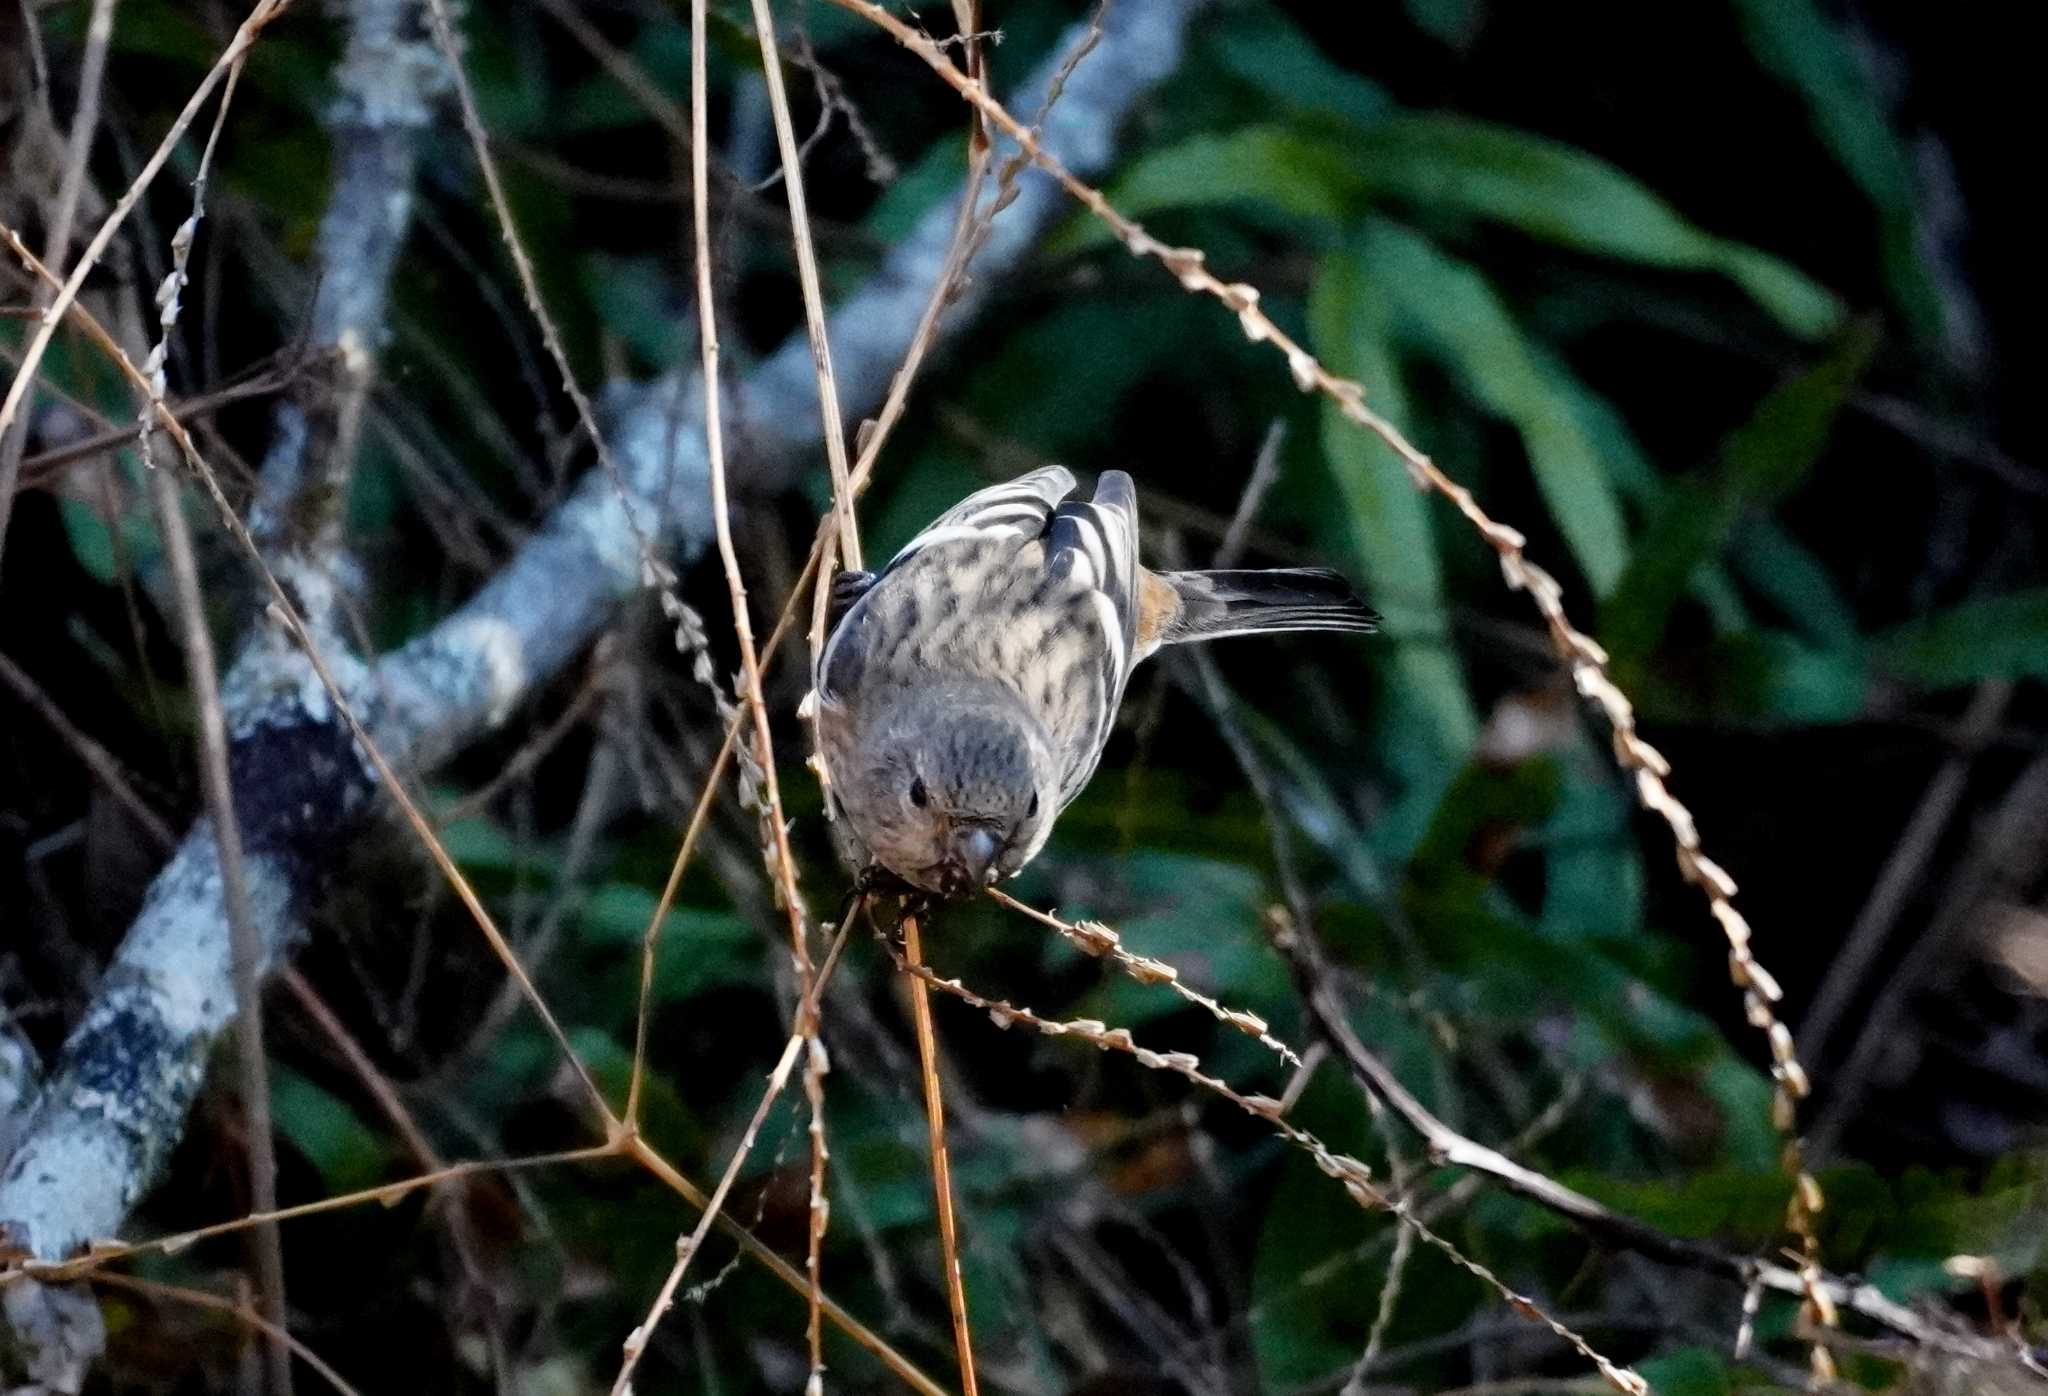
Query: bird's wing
(1010,514)
(1017,509)
(1093,545)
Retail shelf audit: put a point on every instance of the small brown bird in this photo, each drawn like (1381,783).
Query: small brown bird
(966,691)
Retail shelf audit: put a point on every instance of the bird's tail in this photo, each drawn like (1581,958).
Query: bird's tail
(1215,604)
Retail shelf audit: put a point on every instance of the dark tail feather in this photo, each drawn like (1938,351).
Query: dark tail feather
(1215,604)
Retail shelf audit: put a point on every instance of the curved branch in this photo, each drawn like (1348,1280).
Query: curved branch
(117,1098)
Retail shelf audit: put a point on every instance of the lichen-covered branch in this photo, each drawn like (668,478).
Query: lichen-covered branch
(539,611)
(20,1080)
(116,1100)
(387,81)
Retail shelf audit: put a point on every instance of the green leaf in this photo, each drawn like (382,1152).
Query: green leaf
(1482,800)
(331,1136)
(1312,805)
(1309,1226)
(1387,527)
(92,542)
(1634,475)
(1687,1372)
(1779,568)
(512,93)
(1454,312)
(1636,479)
(1797,44)
(1748,1139)
(1760,462)
(481,843)
(1452,22)
(1268,52)
(1767,676)
(699,948)
(1202,916)
(2001,637)
(1565,196)
(1552,192)
(1593,872)
(640,302)
(1746,1207)
(1299,173)
(916,191)
(102,550)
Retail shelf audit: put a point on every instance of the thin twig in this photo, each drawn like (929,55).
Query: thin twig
(654,570)
(379,1086)
(782,863)
(1585,658)
(243,935)
(96,758)
(99,33)
(1094,938)
(386,1194)
(1853,960)
(1355,1177)
(846,541)
(942,1169)
(53,315)
(244,938)
(241,1313)
(688,1246)
(283,609)
(92,68)
(625,70)
(637,1148)
(36,469)
(1265,471)
(1446,1145)
(1397,1264)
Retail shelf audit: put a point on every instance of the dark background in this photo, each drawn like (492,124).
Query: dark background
(1837,491)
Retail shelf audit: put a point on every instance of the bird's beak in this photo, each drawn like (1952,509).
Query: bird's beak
(974,850)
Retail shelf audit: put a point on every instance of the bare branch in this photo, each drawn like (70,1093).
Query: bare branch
(53,315)
(713,1209)
(21,1080)
(120,1089)
(388,80)
(99,32)
(942,1169)
(1584,657)
(469,672)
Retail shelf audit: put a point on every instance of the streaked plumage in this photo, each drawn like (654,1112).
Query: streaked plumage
(966,691)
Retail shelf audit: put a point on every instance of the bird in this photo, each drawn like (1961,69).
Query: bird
(964,692)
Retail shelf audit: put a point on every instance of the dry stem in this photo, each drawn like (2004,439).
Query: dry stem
(942,1168)
(286,613)
(53,315)
(807,276)
(1094,938)
(203,674)
(85,122)
(241,1313)
(1355,1176)
(1585,658)
(688,1246)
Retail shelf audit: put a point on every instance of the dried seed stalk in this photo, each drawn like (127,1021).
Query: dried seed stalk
(1586,660)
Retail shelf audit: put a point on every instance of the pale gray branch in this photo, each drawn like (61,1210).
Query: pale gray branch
(116,1100)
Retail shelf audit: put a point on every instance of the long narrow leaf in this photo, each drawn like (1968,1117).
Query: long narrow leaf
(1449,307)
(1760,462)
(1387,524)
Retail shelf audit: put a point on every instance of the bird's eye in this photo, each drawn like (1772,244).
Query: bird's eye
(1032,813)
(919,796)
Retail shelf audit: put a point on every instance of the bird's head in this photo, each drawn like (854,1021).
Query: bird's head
(952,789)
